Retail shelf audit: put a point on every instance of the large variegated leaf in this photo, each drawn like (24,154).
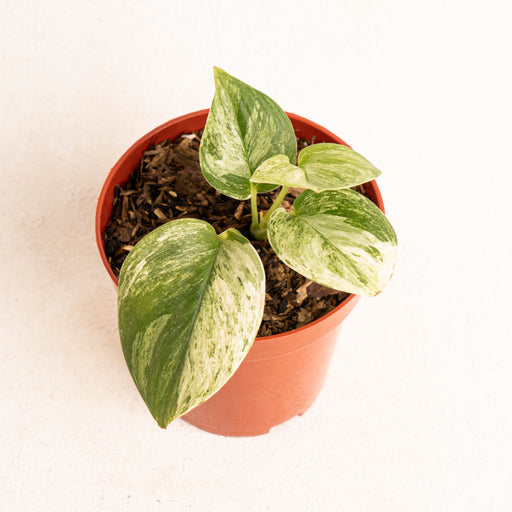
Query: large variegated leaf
(320,167)
(244,128)
(190,304)
(337,238)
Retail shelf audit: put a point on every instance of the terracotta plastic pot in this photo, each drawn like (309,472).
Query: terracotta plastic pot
(282,374)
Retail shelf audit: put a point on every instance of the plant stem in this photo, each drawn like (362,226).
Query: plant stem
(277,202)
(254,205)
(259,225)
(257,230)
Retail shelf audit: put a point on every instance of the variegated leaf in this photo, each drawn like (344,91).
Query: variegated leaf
(190,304)
(336,238)
(278,169)
(244,128)
(320,167)
(330,166)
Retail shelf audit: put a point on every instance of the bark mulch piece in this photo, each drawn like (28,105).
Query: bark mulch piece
(169,185)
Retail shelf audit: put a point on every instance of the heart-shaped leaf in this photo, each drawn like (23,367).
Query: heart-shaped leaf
(244,128)
(339,239)
(190,304)
(335,166)
(320,167)
(278,169)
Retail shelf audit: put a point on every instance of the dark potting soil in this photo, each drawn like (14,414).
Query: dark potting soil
(169,185)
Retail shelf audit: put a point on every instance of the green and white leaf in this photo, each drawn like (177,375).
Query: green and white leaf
(278,169)
(189,307)
(323,166)
(335,166)
(244,128)
(339,239)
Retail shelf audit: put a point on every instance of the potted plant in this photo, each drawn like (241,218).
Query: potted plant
(190,300)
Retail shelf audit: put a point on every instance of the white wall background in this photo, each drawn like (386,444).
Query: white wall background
(416,414)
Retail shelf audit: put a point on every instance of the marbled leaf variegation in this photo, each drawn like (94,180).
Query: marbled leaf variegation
(244,128)
(278,169)
(336,238)
(190,303)
(328,166)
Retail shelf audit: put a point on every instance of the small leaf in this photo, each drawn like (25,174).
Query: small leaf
(320,167)
(244,128)
(339,239)
(330,166)
(278,169)
(190,304)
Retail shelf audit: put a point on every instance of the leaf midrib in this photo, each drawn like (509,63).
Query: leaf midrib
(186,354)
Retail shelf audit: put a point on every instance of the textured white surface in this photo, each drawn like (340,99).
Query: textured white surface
(416,413)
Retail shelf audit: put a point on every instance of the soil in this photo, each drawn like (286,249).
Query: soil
(169,185)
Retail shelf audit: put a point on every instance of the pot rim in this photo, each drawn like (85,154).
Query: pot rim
(347,304)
